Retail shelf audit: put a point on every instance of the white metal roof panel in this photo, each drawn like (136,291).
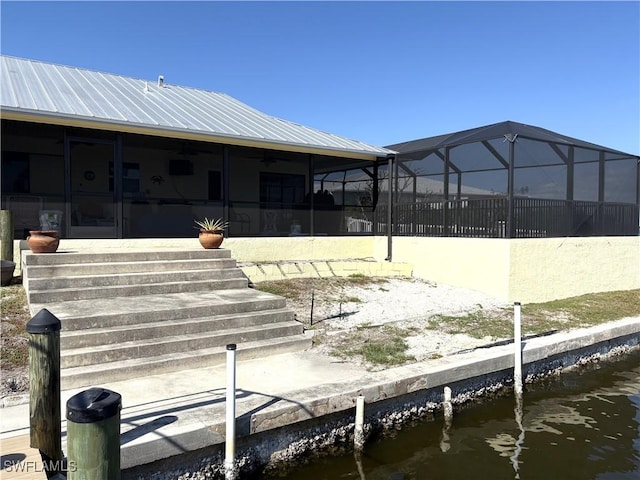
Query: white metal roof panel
(48,89)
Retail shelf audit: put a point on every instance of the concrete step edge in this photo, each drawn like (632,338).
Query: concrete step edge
(95,337)
(177,338)
(103,256)
(54,270)
(68,294)
(145,278)
(90,318)
(76,377)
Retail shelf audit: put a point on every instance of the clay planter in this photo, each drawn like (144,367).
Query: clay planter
(43,241)
(209,239)
(7,271)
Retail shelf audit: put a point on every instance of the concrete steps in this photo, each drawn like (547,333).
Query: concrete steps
(174,362)
(138,313)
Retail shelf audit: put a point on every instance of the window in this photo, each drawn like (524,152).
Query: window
(281,190)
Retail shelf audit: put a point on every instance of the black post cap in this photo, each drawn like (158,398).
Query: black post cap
(93,405)
(231,346)
(43,322)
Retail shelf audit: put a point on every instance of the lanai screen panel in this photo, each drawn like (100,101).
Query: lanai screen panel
(540,171)
(620,184)
(483,168)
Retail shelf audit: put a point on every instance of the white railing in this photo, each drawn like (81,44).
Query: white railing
(357,225)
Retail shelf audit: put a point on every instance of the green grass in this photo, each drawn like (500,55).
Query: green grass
(15,315)
(568,313)
(284,288)
(477,324)
(590,309)
(387,350)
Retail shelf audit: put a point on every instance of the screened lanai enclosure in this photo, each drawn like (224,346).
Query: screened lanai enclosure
(104,184)
(509,180)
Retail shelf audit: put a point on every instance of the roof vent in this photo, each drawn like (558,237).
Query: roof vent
(160,81)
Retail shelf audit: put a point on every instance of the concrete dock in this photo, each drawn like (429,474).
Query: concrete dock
(169,420)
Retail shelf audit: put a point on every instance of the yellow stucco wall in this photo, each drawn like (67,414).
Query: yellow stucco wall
(299,248)
(480,264)
(551,268)
(524,270)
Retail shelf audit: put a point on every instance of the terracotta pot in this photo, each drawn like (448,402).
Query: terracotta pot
(209,239)
(43,241)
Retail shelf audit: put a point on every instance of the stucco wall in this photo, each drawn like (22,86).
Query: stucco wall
(478,263)
(300,248)
(551,268)
(524,270)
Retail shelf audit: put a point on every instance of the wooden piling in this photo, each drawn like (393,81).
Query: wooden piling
(44,384)
(93,435)
(6,235)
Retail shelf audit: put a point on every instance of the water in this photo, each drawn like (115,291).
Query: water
(582,425)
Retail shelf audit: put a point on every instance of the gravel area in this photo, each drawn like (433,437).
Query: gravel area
(341,308)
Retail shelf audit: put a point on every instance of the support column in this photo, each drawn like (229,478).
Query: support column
(390,161)
(511,227)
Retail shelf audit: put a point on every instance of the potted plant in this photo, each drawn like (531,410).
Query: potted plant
(43,241)
(211,232)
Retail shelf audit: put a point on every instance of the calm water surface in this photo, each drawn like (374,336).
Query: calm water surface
(583,425)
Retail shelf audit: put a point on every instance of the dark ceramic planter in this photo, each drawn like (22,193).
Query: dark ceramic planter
(8,268)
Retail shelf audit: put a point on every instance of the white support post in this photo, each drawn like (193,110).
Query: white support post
(517,342)
(358,437)
(447,405)
(230,435)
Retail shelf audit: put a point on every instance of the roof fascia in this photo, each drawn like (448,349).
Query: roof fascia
(73,121)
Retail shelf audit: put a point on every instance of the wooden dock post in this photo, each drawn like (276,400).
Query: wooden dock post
(44,384)
(93,435)
(6,235)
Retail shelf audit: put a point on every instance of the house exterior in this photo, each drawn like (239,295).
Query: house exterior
(505,209)
(107,156)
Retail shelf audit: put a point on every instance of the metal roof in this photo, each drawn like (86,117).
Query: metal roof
(418,148)
(63,92)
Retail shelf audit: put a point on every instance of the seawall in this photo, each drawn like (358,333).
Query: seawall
(277,431)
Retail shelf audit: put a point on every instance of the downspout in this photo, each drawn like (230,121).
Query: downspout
(390,160)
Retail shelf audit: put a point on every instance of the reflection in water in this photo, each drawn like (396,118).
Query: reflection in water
(582,425)
(516,454)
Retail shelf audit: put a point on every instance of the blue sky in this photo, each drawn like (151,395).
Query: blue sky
(379,72)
